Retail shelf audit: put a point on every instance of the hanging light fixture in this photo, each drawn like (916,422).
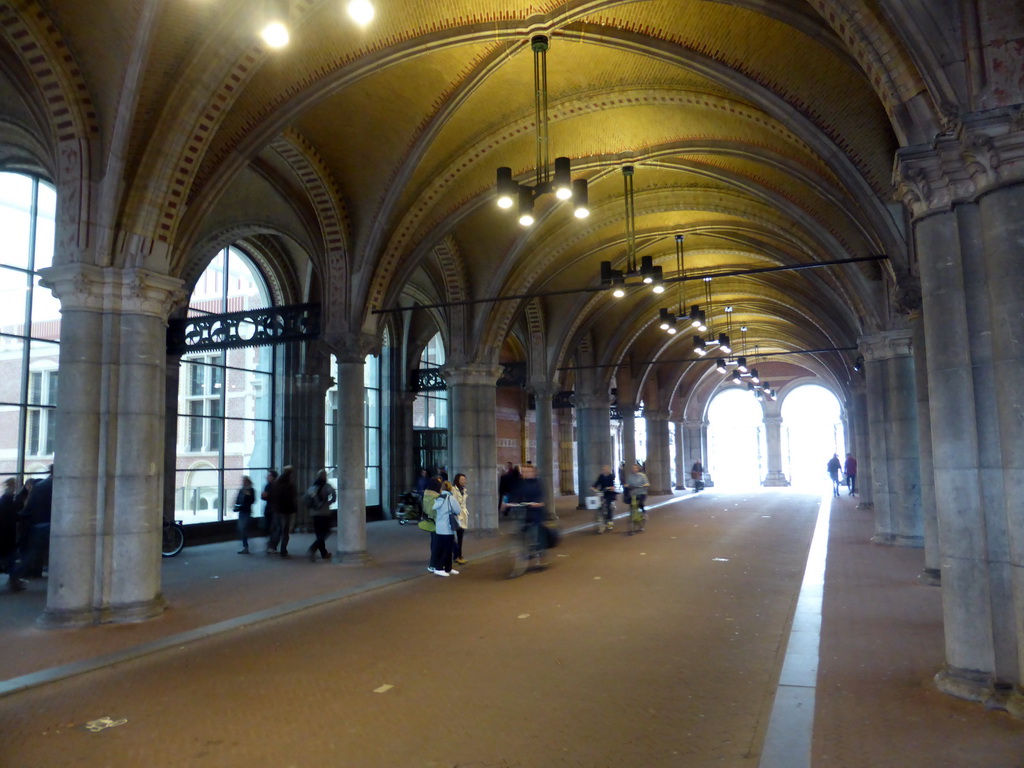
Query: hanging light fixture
(681,292)
(721,367)
(275,23)
(560,182)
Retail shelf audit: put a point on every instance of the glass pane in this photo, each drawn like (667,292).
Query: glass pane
(373,448)
(15,218)
(372,487)
(9,417)
(45,313)
(371,372)
(240,438)
(46,210)
(14,286)
(43,356)
(197,496)
(207,297)
(12,351)
(245,285)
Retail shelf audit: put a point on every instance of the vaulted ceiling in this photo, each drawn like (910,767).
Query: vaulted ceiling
(753,127)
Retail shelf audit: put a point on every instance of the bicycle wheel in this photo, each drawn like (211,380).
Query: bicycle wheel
(520,559)
(174,540)
(636,518)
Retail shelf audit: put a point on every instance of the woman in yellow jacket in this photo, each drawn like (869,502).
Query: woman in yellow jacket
(461,495)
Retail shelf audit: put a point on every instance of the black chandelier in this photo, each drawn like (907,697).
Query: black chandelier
(560,182)
(702,346)
(668,320)
(645,270)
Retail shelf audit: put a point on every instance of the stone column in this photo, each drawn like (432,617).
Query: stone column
(545,442)
(628,413)
(932,574)
(892,425)
(863,454)
(708,481)
(682,468)
(473,434)
(593,440)
(301,424)
(566,444)
(966,194)
(693,447)
(108,487)
(351,350)
(658,458)
(773,442)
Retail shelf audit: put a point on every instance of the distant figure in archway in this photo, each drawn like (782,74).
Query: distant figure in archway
(697,474)
(850,471)
(833,472)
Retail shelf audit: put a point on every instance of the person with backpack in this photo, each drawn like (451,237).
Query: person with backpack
(319,497)
(283,500)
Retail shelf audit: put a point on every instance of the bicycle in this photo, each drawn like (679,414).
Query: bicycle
(173,539)
(527,545)
(637,516)
(605,513)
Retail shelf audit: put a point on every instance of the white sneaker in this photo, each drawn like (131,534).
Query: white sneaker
(453,572)
(440,573)
(430,569)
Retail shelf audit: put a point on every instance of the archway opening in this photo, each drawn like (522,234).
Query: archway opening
(812,430)
(736,450)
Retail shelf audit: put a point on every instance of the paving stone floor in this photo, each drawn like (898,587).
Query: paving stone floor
(662,649)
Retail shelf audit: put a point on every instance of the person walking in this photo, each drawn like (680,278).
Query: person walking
(268,513)
(605,485)
(833,467)
(283,500)
(850,471)
(244,500)
(445,508)
(697,475)
(461,495)
(319,498)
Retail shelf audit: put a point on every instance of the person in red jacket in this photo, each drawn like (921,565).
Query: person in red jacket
(850,471)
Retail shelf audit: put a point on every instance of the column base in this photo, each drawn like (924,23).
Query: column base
(930,577)
(86,617)
(898,540)
(659,492)
(964,683)
(352,558)
(775,480)
(866,505)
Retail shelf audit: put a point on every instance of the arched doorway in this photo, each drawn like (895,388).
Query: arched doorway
(736,440)
(812,430)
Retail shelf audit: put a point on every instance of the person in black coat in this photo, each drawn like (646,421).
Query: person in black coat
(9,508)
(35,541)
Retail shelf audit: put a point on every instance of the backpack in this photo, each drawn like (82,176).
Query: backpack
(312,497)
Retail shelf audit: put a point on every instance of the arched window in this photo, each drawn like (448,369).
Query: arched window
(29,326)
(430,413)
(225,399)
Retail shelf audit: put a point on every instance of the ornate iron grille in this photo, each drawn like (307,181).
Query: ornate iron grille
(428,380)
(248,328)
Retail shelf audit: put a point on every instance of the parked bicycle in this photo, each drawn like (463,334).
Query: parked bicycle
(174,537)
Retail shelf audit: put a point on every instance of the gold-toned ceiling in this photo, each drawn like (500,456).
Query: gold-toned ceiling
(751,126)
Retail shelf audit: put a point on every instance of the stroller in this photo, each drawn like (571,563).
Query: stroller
(409,508)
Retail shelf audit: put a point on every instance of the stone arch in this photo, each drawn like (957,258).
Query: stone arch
(64,94)
(533,313)
(335,225)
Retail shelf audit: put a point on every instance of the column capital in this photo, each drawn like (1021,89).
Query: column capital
(985,152)
(593,401)
(352,347)
(542,389)
(886,345)
(772,420)
(479,374)
(693,423)
(133,291)
(657,414)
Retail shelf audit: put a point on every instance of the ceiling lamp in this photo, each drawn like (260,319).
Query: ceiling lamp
(560,182)
(360,11)
(275,23)
(736,378)
(753,376)
(741,365)
(699,346)
(723,343)
(721,367)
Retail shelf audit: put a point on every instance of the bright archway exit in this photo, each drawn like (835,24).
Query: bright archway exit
(812,430)
(736,440)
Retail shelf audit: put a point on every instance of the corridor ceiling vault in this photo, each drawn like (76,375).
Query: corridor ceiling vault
(764,131)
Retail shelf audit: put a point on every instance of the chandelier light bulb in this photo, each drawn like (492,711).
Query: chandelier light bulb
(361,11)
(275,34)
(671,330)
(526,219)
(658,288)
(618,293)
